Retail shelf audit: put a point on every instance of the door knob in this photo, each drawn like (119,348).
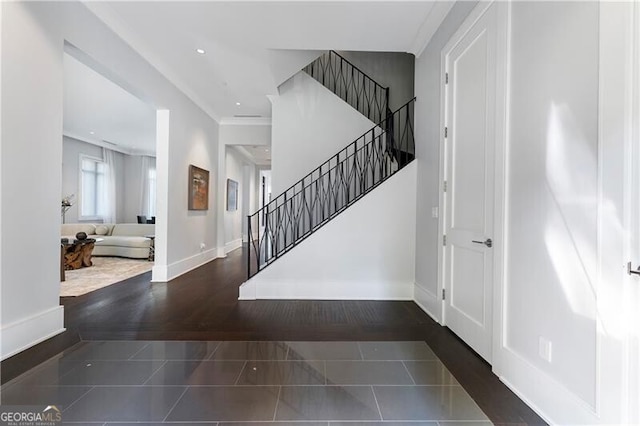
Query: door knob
(631,271)
(488,242)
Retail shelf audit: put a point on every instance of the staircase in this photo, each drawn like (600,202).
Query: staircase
(345,177)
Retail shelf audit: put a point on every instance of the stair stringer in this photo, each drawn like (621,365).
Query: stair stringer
(367,252)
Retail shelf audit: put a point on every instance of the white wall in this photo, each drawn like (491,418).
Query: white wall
(309,125)
(237,132)
(427,134)
(249,196)
(245,134)
(233,219)
(552,287)
(367,252)
(552,199)
(32,99)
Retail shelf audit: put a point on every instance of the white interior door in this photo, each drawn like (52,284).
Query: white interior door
(470,63)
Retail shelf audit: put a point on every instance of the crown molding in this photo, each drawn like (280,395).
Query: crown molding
(245,121)
(439,11)
(111,19)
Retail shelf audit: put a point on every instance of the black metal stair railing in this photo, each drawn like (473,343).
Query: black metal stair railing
(331,188)
(351,85)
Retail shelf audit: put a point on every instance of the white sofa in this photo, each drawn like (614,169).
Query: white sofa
(120,239)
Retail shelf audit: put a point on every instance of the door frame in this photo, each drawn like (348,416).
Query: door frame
(630,86)
(503,21)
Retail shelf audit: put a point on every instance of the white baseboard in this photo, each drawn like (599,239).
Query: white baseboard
(162,273)
(27,332)
(232,245)
(428,302)
(247,290)
(555,403)
(261,288)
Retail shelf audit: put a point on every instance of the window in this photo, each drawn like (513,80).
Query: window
(152,192)
(93,186)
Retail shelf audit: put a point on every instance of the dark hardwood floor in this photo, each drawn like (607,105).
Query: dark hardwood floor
(203,305)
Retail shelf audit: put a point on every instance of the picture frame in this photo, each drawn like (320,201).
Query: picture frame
(198,188)
(232,195)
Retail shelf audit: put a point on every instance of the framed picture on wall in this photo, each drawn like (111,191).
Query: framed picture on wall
(232,195)
(198,188)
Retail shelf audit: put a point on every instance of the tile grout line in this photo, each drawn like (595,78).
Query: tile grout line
(79,398)
(275,411)
(408,372)
(326,380)
(175,404)
(138,351)
(210,357)
(344,385)
(155,372)
(360,351)
(235,383)
(377,405)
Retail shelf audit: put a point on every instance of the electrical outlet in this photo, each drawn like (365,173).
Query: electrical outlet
(434,212)
(202,246)
(545,349)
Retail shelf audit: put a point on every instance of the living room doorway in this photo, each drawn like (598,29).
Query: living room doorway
(108,178)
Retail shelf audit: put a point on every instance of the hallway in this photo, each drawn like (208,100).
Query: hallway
(202,306)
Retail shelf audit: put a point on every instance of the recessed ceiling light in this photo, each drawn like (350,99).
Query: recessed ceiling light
(238,103)
(201,51)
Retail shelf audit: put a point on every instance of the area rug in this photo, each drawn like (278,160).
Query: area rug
(105,271)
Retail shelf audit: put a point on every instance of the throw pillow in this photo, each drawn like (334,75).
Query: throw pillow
(102,229)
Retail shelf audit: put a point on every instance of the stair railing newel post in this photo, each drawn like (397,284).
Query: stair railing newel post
(249,246)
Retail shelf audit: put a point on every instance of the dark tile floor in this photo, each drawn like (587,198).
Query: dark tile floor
(282,383)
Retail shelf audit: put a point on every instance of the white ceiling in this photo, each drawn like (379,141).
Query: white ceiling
(252,46)
(95,104)
(259,154)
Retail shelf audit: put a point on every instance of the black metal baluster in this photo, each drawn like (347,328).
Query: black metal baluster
(334,185)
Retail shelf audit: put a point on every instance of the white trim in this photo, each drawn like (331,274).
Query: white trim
(232,245)
(27,332)
(106,14)
(503,26)
(430,25)
(633,351)
(245,121)
(108,145)
(162,191)
(265,288)
(427,301)
(532,384)
(618,371)
(167,273)
(442,201)
(501,181)
(465,27)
